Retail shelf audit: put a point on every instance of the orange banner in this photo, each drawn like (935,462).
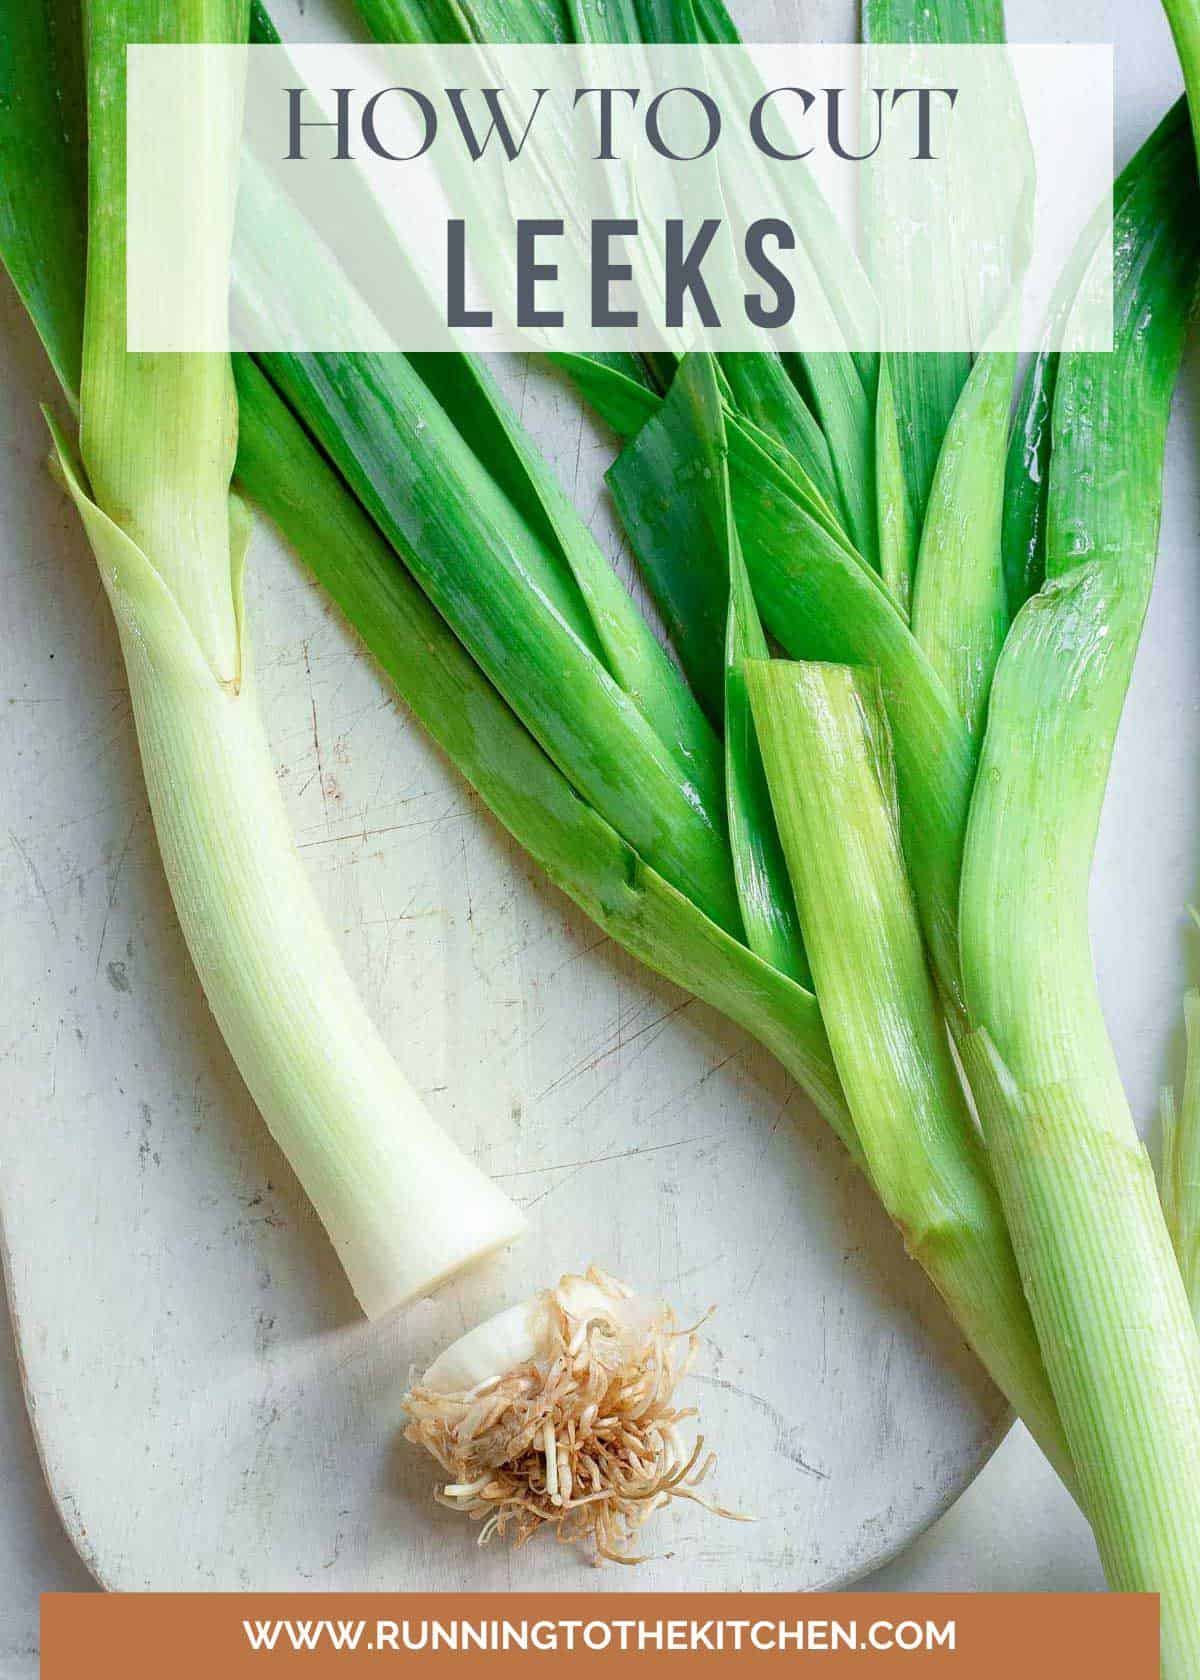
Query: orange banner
(194,1636)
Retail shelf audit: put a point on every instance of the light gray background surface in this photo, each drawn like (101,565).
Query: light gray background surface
(1014,1529)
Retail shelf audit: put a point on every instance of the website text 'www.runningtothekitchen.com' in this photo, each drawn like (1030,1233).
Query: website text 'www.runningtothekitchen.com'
(622,1634)
(979,1635)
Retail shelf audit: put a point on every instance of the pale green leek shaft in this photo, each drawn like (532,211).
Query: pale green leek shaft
(1078,1190)
(827,751)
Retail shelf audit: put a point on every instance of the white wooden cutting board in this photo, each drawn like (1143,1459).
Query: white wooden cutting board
(210,1412)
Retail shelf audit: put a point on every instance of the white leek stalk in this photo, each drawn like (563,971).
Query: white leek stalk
(560,1413)
(404,1207)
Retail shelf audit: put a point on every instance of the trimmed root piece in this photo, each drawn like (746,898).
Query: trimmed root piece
(584,1436)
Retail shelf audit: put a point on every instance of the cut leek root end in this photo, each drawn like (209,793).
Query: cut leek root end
(560,1413)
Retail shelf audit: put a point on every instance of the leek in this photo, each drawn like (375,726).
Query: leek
(1110,1308)
(593,775)
(848,607)
(824,737)
(403,1207)
(284,473)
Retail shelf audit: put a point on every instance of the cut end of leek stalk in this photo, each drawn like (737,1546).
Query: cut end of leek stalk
(560,1413)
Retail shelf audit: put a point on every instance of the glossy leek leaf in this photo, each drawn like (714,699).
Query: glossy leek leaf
(294,485)
(897,526)
(495,584)
(691,556)
(960,599)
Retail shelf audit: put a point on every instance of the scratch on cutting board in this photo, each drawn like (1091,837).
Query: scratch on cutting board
(787,1436)
(617,1041)
(316,735)
(575,1168)
(618,1155)
(362,835)
(114,882)
(766,1252)
(39,885)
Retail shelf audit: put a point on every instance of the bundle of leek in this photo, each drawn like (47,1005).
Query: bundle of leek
(635,830)
(714,860)
(1017,991)
(736,946)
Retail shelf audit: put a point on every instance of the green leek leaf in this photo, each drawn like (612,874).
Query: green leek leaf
(1184,18)
(41,136)
(1027,483)
(607,618)
(693,561)
(761,391)
(487,574)
(581,853)
(897,527)
(960,599)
